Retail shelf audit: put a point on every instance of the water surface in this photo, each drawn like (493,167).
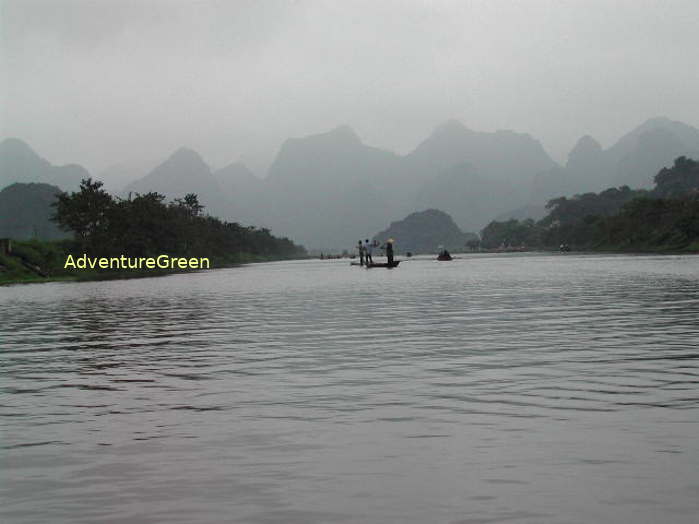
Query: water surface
(493,388)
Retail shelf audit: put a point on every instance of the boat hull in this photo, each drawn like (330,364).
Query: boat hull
(384,264)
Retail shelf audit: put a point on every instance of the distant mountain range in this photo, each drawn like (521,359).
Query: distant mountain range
(19,163)
(328,190)
(633,160)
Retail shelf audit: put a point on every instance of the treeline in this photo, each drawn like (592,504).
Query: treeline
(664,218)
(145,225)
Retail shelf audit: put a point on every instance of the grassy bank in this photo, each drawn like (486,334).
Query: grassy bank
(39,261)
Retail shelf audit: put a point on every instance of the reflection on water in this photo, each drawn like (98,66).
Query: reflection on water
(491,388)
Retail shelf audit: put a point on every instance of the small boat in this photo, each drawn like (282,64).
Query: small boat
(384,264)
(377,264)
(444,255)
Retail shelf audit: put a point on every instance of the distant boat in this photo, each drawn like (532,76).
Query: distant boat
(443,254)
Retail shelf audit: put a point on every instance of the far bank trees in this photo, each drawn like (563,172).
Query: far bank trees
(146,225)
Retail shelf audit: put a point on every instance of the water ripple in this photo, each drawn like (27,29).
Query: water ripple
(493,388)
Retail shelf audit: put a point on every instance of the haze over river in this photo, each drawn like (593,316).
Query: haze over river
(493,388)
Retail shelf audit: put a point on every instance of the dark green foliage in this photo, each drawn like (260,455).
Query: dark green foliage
(666,218)
(512,233)
(681,180)
(34,260)
(86,214)
(574,210)
(147,226)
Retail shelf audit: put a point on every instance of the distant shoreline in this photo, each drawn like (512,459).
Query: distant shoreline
(94,275)
(29,276)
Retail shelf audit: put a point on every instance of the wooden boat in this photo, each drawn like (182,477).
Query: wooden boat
(377,264)
(384,264)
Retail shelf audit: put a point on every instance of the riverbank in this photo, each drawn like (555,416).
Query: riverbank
(692,249)
(37,261)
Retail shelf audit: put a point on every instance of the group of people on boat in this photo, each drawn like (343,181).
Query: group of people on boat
(443,254)
(366,251)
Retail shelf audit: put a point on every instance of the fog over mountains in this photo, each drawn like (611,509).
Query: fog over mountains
(19,163)
(328,190)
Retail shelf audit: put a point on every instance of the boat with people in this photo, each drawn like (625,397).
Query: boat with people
(365,254)
(444,254)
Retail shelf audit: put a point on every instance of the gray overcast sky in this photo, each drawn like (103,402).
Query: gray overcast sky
(107,82)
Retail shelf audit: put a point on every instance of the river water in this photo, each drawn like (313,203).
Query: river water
(493,388)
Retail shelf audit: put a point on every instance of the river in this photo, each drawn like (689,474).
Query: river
(537,388)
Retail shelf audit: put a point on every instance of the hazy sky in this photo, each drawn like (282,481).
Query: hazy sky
(107,82)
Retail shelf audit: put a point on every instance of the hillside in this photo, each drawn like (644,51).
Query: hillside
(245,194)
(664,218)
(181,173)
(633,160)
(330,189)
(25,211)
(327,190)
(424,232)
(19,163)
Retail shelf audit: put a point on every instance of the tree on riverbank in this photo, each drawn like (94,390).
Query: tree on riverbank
(618,218)
(145,225)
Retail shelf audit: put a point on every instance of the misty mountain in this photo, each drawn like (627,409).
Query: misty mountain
(633,160)
(476,176)
(327,190)
(587,167)
(245,193)
(118,176)
(424,232)
(26,210)
(469,197)
(655,149)
(184,172)
(19,163)
(504,155)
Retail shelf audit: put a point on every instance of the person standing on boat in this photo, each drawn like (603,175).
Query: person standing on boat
(368,248)
(389,251)
(360,248)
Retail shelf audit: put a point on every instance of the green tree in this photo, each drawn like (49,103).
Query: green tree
(679,181)
(85,213)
